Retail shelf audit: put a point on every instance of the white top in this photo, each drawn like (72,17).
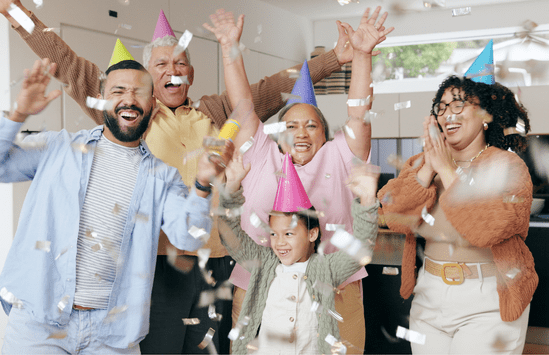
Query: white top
(288,325)
(102,221)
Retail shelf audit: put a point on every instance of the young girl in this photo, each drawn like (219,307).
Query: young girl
(290,299)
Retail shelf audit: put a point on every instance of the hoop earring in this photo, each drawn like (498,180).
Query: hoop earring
(485,126)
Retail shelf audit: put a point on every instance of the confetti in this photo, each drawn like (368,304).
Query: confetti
(115,313)
(286,97)
(370,115)
(462,11)
(63,252)
(520,128)
(124,2)
(179,80)
(247,145)
(389,337)
(183,43)
(410,335)
(43,245)
(196,105)
(213,315)
(359,102)
(38,3)
(63,303)
(141,217)
(293,73)
(116,209)
(197,232)
(191,321)
(124,26)
(96,247)
(349,132)
(22,18)
(10,298)
(82,147)
(333,227)
(99,104)
(90,233)
(98,278)
(257,39)
(235,332)
(255,220)
(454,118)
(345,241)
(337,346)
(390,271)
(396,161)
(203,257)
(513,199)
(512,273)
(182,263)
(429,219)
(335,315)
(323,287)
(403,105)
(58,335)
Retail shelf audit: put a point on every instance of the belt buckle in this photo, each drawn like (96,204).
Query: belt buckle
(452,282)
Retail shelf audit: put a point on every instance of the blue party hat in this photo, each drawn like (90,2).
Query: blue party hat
(303,88)
(483,64)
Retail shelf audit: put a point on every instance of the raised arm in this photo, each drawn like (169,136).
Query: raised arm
(238,88)
(363,40)
(80,76)
(16,162)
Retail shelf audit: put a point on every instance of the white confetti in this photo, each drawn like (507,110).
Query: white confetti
(141,217)
(63,303)
(512,273)
(21,18)
(293,74)
(274,128)
(58,335)
(286,96)
(247,145)
(323,287)
(10,298)
(98,104)
(390,271)
(403,105)
(97,247)
(349,132)
(335,315)
(114,313)
(462,11)
(184,41)
(235,332)
(43,245)
(203,256)
(38,3)
(63,252)
(179,80)
(410,335)
(197,232)
(196,104)
(257,39)
(125,26)
(429,219)
(358,102)
(333,227)
(191,321)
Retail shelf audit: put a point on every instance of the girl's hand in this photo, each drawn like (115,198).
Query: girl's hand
(235,173)
(363,182)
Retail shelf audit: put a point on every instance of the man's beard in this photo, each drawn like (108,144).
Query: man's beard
(133,133)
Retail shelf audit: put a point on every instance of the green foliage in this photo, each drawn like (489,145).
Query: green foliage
(420,59)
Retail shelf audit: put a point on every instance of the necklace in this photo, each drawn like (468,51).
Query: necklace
(470,160)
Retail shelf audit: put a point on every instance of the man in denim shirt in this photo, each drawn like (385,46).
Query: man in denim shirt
(78,276)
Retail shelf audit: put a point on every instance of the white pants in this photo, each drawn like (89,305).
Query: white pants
(463,319)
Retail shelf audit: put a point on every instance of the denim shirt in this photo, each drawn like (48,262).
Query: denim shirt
(60,169)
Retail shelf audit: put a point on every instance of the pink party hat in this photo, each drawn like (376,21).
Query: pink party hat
(483,65)
(163,28)
(290,195)
(303,88)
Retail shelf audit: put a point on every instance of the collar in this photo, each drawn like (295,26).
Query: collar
(96,133)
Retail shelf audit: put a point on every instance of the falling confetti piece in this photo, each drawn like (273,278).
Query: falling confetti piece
(63,303)
(462,11)
(10,298)
(179,80)
(182,263)
(403,105)
(410,335)
(116,209)
(22,18)
(203,257)
(429,219)
(43,245)
(58,335)
(293,74)
(513,199)
(235,332)
(115,313)
(197,232)
(124,2)
(335,315)
(520,128)
(191,321)
(82,147)
(96,247)
(323,287)
(286,96)
(337,346)
(257,39)
(98,104)
(247,145)
(63,252)
(38,3)
(333,227)
(512,273)
(183,43)
(396,161)
(141,217)
(390,271)
(349,132)
(358,102)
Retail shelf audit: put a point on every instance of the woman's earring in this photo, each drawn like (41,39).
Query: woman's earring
(485,126)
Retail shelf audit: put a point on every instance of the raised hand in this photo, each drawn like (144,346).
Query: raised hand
(32,100)
(369,33)
(363,182)
(211,165)
(224,28)
(235,173)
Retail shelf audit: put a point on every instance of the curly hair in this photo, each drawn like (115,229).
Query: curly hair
(498,101)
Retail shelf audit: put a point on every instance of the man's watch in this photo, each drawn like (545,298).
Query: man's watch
(200,187)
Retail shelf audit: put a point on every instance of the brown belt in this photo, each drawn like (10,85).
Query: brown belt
(80,308)
(456,273)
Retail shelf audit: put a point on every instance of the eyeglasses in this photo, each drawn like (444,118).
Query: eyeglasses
(456,106)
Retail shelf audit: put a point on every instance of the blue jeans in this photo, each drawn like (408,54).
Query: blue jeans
(24,335)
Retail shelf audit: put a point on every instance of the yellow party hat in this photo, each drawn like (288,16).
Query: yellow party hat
(119,53)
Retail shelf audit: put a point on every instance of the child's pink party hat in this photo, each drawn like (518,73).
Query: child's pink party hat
(290,195)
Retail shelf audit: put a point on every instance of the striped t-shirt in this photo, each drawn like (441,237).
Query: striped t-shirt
(102,220)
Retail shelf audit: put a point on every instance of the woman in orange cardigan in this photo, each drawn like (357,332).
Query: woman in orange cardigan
(469,197)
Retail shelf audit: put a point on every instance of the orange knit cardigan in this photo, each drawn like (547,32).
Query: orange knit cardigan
(498,221)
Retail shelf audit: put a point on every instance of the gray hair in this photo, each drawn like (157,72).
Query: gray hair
(166,41)
(318,114)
